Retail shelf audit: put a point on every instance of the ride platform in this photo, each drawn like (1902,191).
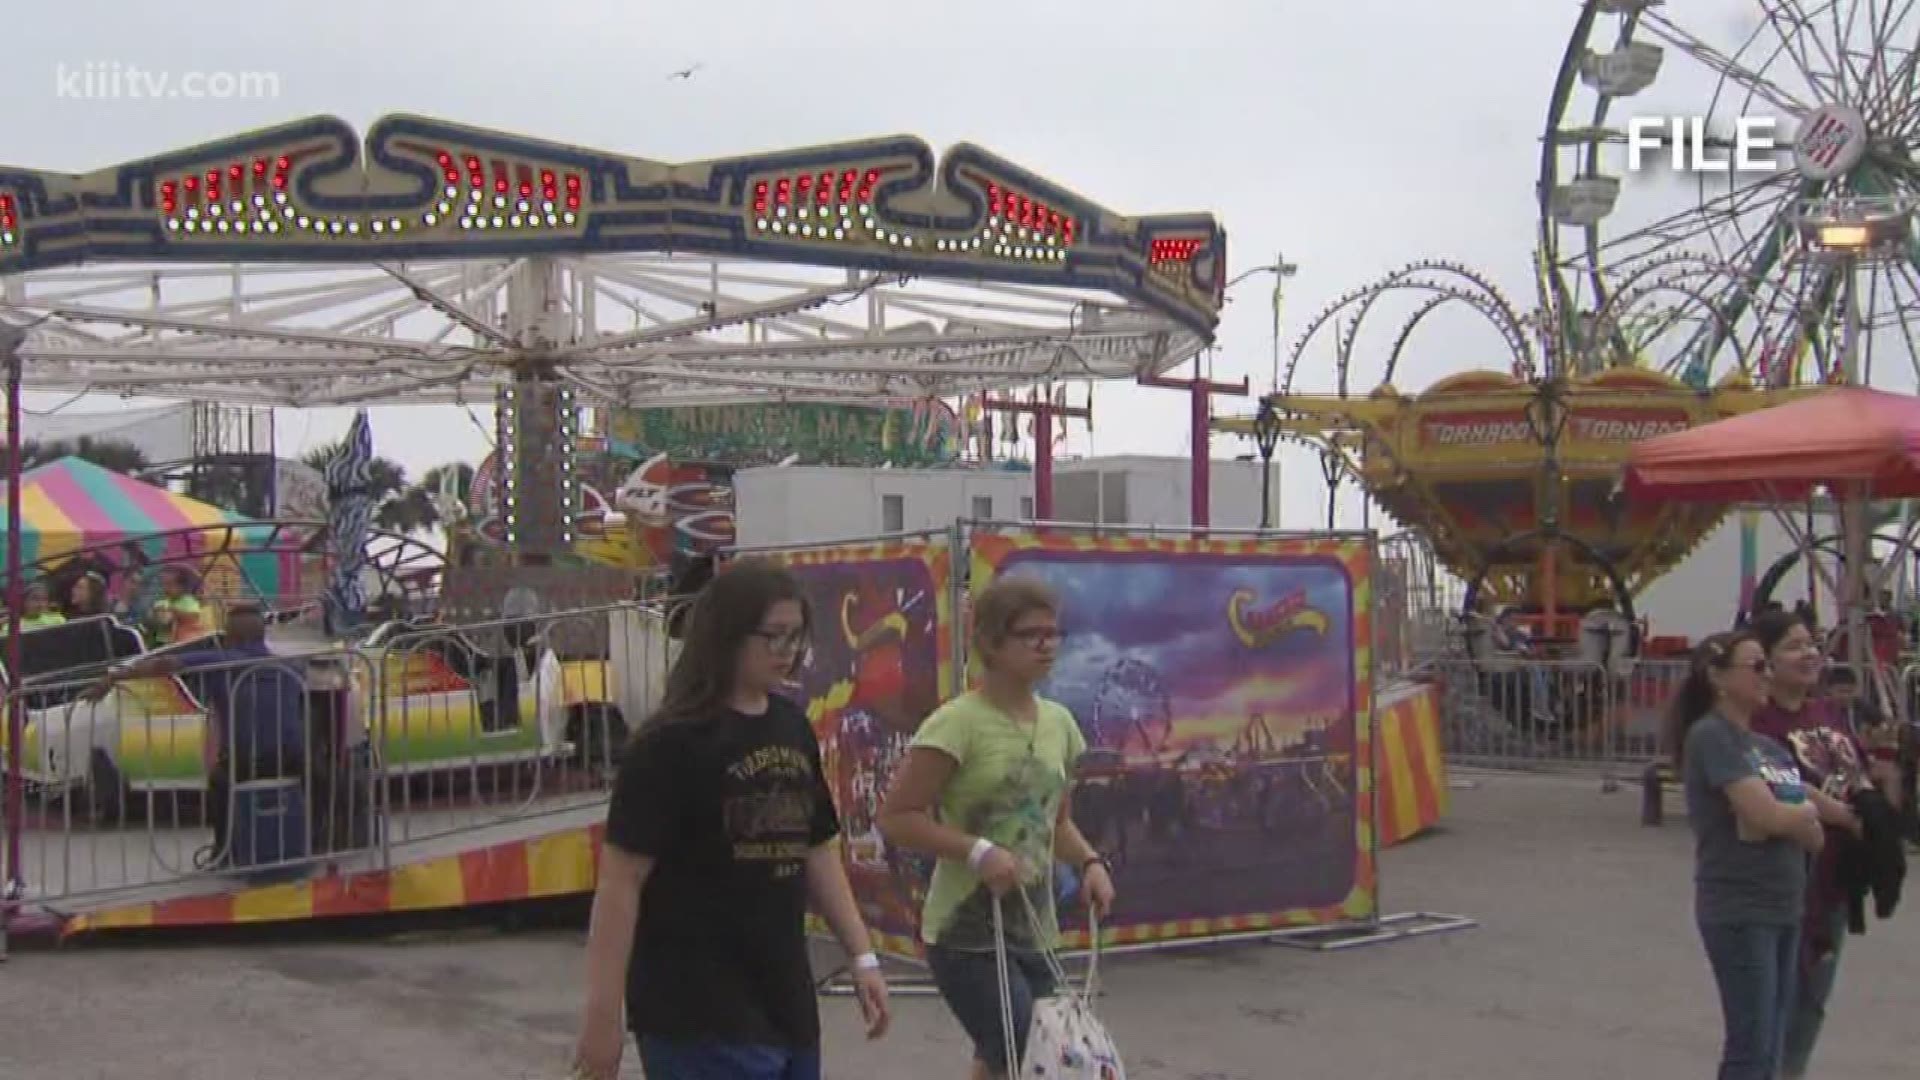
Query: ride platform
(550,852)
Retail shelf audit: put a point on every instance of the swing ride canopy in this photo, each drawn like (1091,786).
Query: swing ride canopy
(1846,437)
(302,266)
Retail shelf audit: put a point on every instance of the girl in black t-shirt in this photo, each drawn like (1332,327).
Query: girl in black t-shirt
(719,836)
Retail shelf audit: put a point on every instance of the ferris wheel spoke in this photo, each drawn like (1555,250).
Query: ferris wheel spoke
(1680,228)
(1891,76)
(1905,271)
(1665,29)
(1794,29)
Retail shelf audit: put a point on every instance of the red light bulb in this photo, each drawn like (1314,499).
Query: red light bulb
(192,183)
(284,163)
(573,182)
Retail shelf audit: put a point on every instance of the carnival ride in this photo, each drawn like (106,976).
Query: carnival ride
(1738,292)
(433,263)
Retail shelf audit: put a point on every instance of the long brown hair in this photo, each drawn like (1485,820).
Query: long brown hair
(1696,695)
(725,614)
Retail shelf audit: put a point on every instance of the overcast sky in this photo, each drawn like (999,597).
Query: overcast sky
(1353,135)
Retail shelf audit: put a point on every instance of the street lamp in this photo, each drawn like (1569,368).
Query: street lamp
(1281,270)
(1266,437)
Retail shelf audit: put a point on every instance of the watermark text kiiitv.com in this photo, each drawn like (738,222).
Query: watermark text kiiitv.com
(111,80)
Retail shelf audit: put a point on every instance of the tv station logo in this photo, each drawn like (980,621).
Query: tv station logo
(1829,142)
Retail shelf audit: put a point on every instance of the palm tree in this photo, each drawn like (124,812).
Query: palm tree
(109,454)
(402,507)
(394,510)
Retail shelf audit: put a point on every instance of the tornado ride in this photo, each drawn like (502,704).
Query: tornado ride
(439,264)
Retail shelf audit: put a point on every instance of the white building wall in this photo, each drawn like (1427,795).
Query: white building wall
(1702,594)
(802,504)
(1158,490)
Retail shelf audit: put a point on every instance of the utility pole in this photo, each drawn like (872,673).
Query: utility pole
(1200,392)
(1043,412)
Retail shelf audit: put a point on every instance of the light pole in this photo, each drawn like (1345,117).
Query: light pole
(1848,231)
(1266,437)
(1281,270)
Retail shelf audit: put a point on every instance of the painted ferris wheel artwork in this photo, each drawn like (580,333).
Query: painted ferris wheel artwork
(1665,299)
(433,263)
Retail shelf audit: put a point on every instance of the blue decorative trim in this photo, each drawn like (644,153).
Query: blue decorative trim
(628,205)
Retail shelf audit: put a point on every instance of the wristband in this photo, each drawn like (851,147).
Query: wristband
(1091,860)
(866,961)
(979,852)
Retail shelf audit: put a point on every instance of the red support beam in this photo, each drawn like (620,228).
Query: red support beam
(1200,394)
(1043,412)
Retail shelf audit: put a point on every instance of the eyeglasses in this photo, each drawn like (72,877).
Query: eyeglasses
(783,641)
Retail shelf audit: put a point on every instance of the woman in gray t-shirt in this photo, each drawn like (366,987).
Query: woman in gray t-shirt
(1753,828)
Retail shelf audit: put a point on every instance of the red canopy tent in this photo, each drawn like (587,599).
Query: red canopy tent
(1850,440)
(1855,442)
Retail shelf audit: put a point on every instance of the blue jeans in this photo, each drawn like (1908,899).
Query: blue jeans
(1810,1003)
(664,1059)
(969,982)
(1756,967)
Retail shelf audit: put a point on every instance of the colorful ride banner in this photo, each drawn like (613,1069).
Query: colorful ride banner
(880,661)
(1225,689)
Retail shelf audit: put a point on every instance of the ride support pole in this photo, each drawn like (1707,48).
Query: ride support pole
(1200,392)
(1043,412)
(11,882)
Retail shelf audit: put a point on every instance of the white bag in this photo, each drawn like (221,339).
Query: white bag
(1065,1041)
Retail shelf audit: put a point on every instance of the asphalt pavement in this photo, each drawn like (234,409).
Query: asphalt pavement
(1585,966)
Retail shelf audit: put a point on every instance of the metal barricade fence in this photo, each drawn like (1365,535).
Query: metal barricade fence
(131,785)
(1513,713)
(342,755)
(480,724)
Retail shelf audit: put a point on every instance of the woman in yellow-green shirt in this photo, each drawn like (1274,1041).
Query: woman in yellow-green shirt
(996,764)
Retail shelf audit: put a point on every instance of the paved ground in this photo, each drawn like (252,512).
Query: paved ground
(1585,967)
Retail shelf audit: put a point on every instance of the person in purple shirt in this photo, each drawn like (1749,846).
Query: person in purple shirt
(1829,754)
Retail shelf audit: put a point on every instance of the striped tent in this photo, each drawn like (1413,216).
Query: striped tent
(72,503)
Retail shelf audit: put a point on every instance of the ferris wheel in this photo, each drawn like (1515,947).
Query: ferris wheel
(1799,269)
(1132,705)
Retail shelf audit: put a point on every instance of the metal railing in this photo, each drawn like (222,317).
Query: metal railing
(1553,713)
(244,769)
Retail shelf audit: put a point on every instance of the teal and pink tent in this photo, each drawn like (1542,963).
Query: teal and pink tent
(72,506)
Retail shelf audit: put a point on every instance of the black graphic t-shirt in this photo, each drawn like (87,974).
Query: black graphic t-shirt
(729,808)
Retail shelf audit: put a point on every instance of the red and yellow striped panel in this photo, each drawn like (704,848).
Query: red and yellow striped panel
(989,550)
(1411,766)
(561,864)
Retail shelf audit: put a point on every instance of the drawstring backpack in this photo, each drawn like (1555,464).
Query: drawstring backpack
(1065,1041)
